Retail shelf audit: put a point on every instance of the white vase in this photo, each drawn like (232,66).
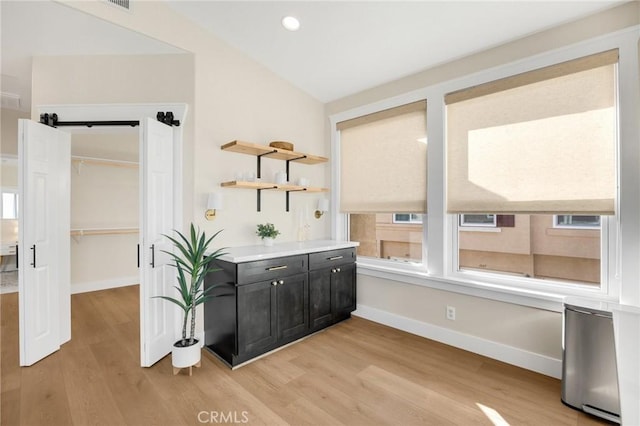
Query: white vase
(268,241)
(188,356)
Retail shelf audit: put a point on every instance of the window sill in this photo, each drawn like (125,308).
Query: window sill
(493,291)
(479,229)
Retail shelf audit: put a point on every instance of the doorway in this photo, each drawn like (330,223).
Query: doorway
(45,306)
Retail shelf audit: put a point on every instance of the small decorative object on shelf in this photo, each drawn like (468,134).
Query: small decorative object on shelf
(282,145)
(268,233)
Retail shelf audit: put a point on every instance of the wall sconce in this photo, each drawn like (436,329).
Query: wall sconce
(323,206)
(214,203)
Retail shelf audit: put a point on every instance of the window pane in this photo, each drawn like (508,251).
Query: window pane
(383,236)
(478,220)
(9,205)
(534,247)
(577,221)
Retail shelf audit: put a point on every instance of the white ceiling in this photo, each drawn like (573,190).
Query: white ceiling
(45,28)
(341,48)
(344,47)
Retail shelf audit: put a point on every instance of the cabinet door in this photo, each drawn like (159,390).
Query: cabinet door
(293,306)
(343,289)
(257,328)
(320,298)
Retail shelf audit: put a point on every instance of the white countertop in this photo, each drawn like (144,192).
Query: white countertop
(262,252)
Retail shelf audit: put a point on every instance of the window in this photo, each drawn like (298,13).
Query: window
(407,218)
(485,220)
(576,221)
(9,204)
(535,248)
(509,143)
(383,185)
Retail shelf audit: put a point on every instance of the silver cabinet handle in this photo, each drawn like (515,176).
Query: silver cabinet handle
(274,282)
(281,282)
(153,256)
(337,269)
(335,258)
(276,268)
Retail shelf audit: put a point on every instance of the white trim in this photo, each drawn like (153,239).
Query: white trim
(87,286)
(511,355)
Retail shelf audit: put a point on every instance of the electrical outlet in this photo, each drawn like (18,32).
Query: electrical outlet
(451,313)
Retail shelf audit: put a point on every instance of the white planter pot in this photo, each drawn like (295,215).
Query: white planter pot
(185,357)
(268,241)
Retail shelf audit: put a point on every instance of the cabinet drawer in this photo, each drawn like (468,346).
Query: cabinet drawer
(333,257)
(260,270)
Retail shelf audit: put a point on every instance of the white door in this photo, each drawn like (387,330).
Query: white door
(44,220)
(157,276)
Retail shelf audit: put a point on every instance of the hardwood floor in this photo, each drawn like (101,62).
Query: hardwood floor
(355,373)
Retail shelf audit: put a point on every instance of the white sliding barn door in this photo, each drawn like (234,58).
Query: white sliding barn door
(157,276)
(44,222)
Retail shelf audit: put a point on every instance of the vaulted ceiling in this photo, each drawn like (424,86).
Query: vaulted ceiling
(342,47)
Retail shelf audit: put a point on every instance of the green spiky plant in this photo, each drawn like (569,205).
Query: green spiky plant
(193,265)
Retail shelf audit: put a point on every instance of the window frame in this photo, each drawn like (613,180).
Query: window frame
(571,226)
(438,272)
(465,224)
(411,220)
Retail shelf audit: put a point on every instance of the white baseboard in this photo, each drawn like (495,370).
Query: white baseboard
(103,285)
(531,361)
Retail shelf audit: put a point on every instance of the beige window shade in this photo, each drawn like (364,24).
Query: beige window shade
(540,142)
(383,161)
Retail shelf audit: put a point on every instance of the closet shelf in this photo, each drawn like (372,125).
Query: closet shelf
(77,234)
(78,161)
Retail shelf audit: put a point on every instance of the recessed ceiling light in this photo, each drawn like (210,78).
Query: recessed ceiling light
(290,23)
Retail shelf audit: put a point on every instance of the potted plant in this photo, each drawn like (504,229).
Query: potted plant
(193,264)
(268,233)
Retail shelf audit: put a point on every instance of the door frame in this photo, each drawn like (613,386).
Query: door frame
(125,112)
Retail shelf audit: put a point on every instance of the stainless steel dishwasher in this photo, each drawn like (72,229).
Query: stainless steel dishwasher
(589,373)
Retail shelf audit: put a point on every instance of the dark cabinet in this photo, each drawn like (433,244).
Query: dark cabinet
(264,304)
(332,287)
(271,312)
(257,328)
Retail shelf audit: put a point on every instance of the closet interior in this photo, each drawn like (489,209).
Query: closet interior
(105,198)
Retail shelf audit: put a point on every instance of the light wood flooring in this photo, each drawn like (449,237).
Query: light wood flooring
(355,373)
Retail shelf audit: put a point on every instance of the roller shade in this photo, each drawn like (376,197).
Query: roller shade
(539,142)
(383,161)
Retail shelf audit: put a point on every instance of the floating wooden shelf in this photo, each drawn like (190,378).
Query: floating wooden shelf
(271,152)
(260,151)
(274,186)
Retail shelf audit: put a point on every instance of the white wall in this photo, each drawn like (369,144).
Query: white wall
(517,334)
(235,98)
